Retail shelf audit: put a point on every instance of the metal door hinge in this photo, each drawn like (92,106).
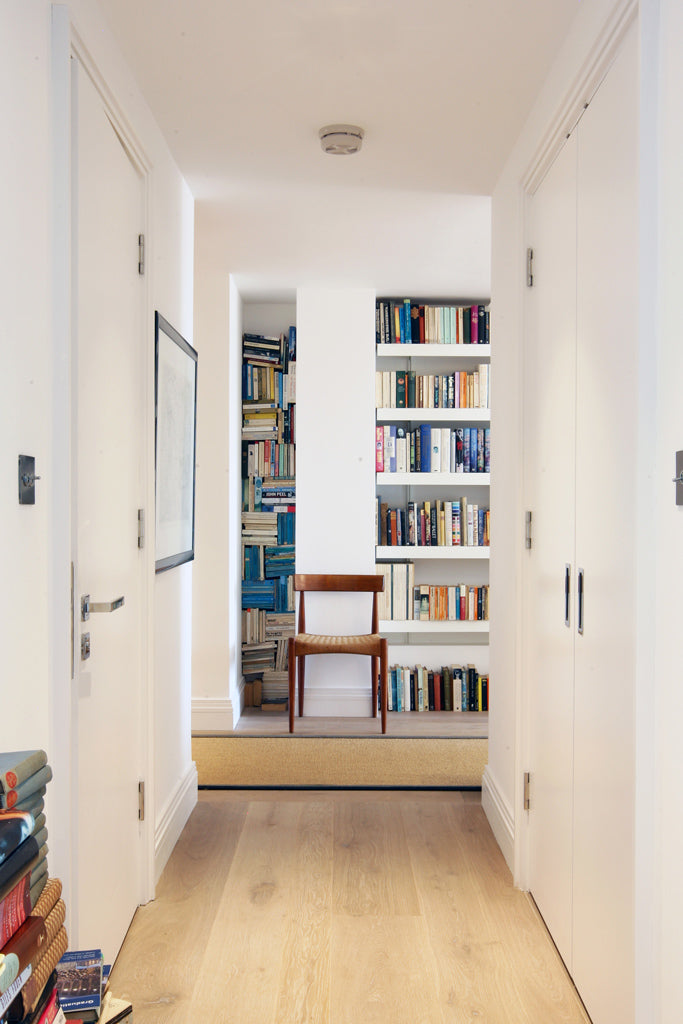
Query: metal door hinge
(141,527)
(141,254)
(530,268)
(527,529)
(527,789)
(141,800)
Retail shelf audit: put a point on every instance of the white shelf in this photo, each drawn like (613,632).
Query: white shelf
(433,479)
(434,415)
(399,552)
(415,626)
(478,352)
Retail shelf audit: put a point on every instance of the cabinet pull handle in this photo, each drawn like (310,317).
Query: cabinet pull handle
(567,592)
(579,584)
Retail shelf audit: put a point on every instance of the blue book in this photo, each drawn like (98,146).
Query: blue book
(487,450)
(473,449)
(425,448)
(466,449)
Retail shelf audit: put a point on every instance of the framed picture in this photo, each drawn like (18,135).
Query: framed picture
(175,408)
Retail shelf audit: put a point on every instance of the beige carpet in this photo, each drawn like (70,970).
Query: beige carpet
(338,761)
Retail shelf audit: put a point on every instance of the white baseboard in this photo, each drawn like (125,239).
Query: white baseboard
(347,702)
(210,714)
(500,817)
(173,819)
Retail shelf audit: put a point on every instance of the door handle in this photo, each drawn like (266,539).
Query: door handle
(88,606)
(579,585)
(567,592)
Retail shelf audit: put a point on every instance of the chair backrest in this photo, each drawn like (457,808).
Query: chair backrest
(338,583)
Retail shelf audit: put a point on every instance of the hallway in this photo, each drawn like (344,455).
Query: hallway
(341,907)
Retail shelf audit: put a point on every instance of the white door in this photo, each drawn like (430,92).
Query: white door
(581,421)
(549,435)
(108,447)
(606,541)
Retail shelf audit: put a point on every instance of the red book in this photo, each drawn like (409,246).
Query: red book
(15,908)
(28,941)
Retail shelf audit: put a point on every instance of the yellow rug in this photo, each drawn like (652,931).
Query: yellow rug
(386,762)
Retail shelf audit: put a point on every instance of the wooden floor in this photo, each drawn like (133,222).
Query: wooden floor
(343,908)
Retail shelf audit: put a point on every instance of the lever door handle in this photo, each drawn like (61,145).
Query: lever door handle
(88,606)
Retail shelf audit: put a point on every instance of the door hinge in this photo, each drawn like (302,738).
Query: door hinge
(527,789)
(527,529)
(141,800)
(141,254)
(141,527)
(530,268)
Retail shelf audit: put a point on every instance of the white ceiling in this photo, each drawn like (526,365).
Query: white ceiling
(241,87)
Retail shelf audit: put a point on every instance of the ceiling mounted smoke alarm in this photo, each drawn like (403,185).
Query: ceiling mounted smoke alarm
(341,139)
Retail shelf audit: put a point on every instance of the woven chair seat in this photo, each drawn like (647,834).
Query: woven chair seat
(316,643)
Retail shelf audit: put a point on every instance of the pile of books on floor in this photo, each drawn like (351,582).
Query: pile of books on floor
(33,939)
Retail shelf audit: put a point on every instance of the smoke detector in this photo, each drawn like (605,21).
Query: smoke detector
(341,139)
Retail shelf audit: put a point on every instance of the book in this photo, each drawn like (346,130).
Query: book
(14,797)
(8,997)
(114,1010)
(30,995)
(14,866)
(16,766)
(22,949)
(79,979)
(15,908)
(15,826)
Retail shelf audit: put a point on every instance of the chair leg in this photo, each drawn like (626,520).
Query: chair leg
(302,673)
(292,680)
(374,669)
(384,672)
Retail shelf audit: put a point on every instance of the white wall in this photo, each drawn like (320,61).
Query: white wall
(34,400)
(335,478)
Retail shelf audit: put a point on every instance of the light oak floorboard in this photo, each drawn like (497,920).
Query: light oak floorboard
(339,907)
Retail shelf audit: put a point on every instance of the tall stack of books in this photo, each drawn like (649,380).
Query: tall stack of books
(32,913)
(268,511)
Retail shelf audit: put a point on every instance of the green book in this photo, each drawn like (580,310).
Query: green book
(18,765)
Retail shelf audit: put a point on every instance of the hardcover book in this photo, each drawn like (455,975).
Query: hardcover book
(79,979)
(16,766)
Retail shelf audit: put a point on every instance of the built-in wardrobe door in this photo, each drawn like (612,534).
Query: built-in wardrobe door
(549,441)
(606,446)
(581,422)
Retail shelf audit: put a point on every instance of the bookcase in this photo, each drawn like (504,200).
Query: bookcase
(433,452)
(268,513)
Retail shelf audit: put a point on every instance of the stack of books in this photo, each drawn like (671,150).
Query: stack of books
(32,913)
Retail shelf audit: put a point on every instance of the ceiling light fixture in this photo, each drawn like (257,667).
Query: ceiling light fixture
(341,139)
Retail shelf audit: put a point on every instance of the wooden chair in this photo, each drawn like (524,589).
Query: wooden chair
(371,644)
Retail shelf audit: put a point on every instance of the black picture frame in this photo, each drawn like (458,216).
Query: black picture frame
(175,445)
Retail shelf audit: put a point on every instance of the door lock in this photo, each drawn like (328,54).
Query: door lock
(85,646)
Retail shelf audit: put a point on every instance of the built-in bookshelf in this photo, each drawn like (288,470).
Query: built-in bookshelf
(268,513)
(433,465)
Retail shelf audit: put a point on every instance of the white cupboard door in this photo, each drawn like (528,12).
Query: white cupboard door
(108,453)
(607,419)
(549,431)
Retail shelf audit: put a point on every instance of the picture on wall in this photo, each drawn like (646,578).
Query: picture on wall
(175,404)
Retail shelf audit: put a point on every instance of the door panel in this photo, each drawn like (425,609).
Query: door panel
(607,420)
(108,451)
(549,430)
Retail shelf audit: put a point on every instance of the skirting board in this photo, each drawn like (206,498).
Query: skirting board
(499,816)
(173,819)
(330,701)
(211,714)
